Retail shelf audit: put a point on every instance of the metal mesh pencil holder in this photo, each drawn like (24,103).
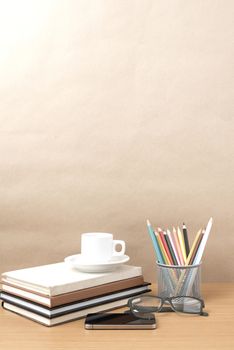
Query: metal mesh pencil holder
(174,280)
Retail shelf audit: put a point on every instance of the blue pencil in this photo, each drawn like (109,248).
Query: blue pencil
(155,243)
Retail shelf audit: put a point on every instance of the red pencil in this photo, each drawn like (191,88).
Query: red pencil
(165,245)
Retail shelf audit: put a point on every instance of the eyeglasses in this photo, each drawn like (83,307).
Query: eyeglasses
(143,306)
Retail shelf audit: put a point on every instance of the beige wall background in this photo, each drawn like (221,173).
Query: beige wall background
(113,112)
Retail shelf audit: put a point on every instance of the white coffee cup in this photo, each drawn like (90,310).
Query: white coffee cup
(100,246)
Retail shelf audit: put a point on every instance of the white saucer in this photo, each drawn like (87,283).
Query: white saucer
(78,262)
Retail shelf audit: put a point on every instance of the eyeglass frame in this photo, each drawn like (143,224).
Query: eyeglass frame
(161,308)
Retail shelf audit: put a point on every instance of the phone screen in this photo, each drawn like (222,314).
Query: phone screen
(110,320)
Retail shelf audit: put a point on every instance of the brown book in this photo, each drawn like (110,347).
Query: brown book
(72,296)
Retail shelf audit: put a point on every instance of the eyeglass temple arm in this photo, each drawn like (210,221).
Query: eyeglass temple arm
(204,313)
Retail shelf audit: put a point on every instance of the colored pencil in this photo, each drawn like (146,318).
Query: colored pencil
(178,246)
(170,248)
(165,256)
(188,260)
(172,278)
(199,254)
(202,246)
(159,246)
(173,246)
(155,243)
(186,241)
(181,240)
(161,234)
(196,247)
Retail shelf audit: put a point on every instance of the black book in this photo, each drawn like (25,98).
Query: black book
(65,309)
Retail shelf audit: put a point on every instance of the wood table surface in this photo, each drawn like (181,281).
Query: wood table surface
(173,331)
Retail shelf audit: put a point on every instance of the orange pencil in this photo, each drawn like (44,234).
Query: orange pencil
(165,246)
(167,261)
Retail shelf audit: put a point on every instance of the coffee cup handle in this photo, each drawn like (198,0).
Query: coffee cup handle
(123,245)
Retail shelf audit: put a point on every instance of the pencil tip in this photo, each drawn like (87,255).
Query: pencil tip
(148,224)
(210,222)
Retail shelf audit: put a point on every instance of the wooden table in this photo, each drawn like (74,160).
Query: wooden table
(173,332)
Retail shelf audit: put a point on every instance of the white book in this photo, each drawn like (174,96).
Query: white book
(65,318)
(44,300)
(59,278)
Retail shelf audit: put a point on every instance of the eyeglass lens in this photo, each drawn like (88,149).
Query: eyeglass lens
(147,303)
(153,304)
(186,305)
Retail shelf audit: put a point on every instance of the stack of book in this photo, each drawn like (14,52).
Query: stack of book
(55,293)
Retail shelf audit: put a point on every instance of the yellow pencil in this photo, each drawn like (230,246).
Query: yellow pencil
(182,245)
(187,262)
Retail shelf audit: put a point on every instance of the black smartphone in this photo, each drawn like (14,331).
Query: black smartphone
(118,321)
